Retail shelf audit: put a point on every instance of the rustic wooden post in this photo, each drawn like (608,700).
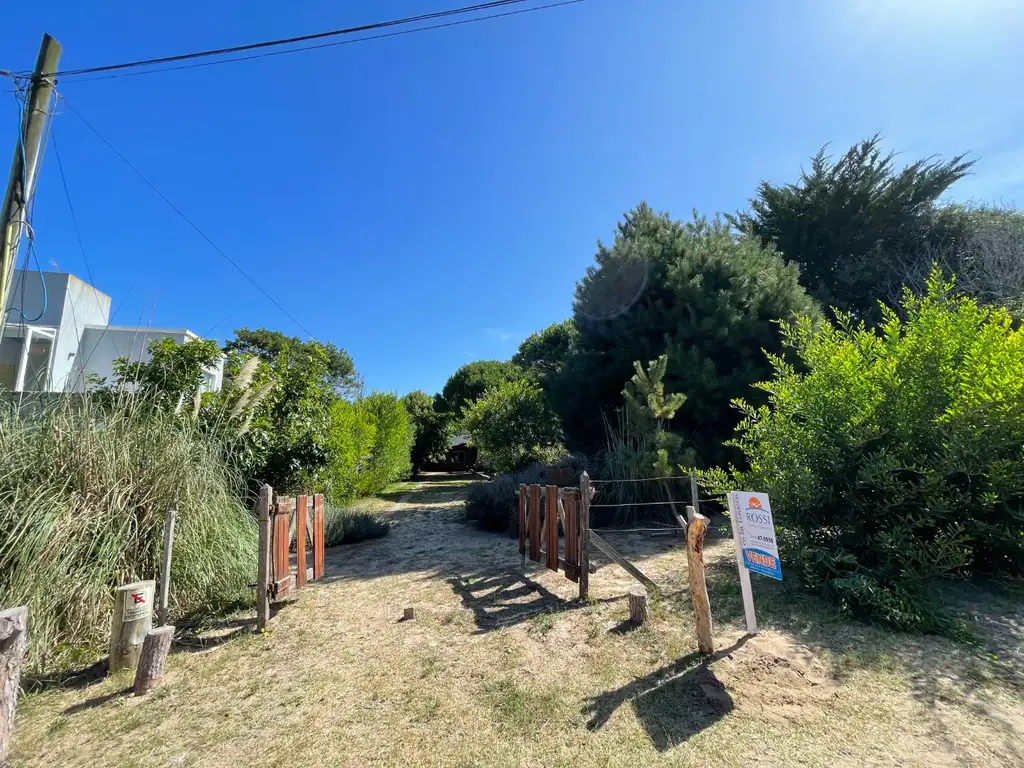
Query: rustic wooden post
(637,597)
(263,561)
(133,618)
(165,573)
(151,662)
(584,536)
(13,647)
(695,532)
(300,542)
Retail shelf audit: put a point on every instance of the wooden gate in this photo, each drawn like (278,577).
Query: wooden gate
(543,509)
(291,522)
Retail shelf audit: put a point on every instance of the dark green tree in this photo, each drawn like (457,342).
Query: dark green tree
(431,427)
(268,345)
(710,298)
(547,350)
(849,223)
(470,381)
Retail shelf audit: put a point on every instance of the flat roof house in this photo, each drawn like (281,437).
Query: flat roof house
(56,339)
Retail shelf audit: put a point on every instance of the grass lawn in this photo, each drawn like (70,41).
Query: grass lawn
(501,666)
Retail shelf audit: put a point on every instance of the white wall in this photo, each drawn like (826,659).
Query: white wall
(84,307)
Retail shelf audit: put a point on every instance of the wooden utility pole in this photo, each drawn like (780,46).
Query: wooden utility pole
(25,167)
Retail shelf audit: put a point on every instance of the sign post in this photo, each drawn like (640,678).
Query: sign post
(753,532)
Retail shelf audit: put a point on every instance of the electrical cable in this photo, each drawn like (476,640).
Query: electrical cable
(186,219)
(288,40)
(71,207)
(327,45)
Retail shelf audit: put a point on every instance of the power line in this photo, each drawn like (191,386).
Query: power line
(368,38)
(186,219)
(289,40)
(71,207)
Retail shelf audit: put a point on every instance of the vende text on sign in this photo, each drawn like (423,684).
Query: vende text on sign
(139,603)
(757,533)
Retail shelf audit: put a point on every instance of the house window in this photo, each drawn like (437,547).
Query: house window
(458,457)
(25,357)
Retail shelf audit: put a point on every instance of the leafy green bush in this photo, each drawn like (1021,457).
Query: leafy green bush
(350,450)
(709,298)
(347,525)
(894,457)
(493,505)
(513,426)
(83,493)
(392,442)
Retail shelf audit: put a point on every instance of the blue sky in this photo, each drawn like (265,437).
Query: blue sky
(429,200)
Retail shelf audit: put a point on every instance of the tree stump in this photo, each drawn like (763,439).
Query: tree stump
(133,618)
(13,646)
(151,662)
(637,605)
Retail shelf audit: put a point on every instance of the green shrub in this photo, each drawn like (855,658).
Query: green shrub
(894,456)
(392,442)
(83,493)
(513,426)
(345,525)
(349,449)
(493,505)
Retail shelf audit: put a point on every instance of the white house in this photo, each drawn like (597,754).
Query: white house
(58,343)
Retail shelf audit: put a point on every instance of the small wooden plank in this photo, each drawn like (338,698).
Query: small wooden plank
(300,541)
(551,525)
(534,523)
(282,567)
(282,588)
(631,569)
(318,536)
(522,520)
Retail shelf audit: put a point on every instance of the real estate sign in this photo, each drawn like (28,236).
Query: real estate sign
(753,516)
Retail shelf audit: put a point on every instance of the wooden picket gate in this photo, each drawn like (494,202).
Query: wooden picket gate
(290,521)
(542,510)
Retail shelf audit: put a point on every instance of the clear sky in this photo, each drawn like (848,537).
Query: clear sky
(429,200)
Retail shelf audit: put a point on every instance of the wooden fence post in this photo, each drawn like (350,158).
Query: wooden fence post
(165,574)
(13,646)
(522,522)
(263,561)
(695,532)
(584,536)
(133,618)
(551,525)
(151,663)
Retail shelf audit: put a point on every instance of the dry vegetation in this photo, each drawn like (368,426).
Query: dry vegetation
(502,668)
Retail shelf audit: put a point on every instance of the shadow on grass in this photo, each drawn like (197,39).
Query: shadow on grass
(504,598)
(672,703)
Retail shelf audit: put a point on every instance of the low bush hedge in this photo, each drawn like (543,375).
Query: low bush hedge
(493,505)
(347,525)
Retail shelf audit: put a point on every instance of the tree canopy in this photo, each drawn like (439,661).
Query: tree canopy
(268,346)
(849,222)
(709,298)
(547,350)
(470,381)
(431,428)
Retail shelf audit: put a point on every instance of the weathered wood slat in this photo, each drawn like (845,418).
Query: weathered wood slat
(522,520)
(551,525)
(631,569)
(300,542)
(318,536)
(570,514)
(534,523)
(584,536)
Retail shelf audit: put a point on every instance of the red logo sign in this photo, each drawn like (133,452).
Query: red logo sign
(138,597)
